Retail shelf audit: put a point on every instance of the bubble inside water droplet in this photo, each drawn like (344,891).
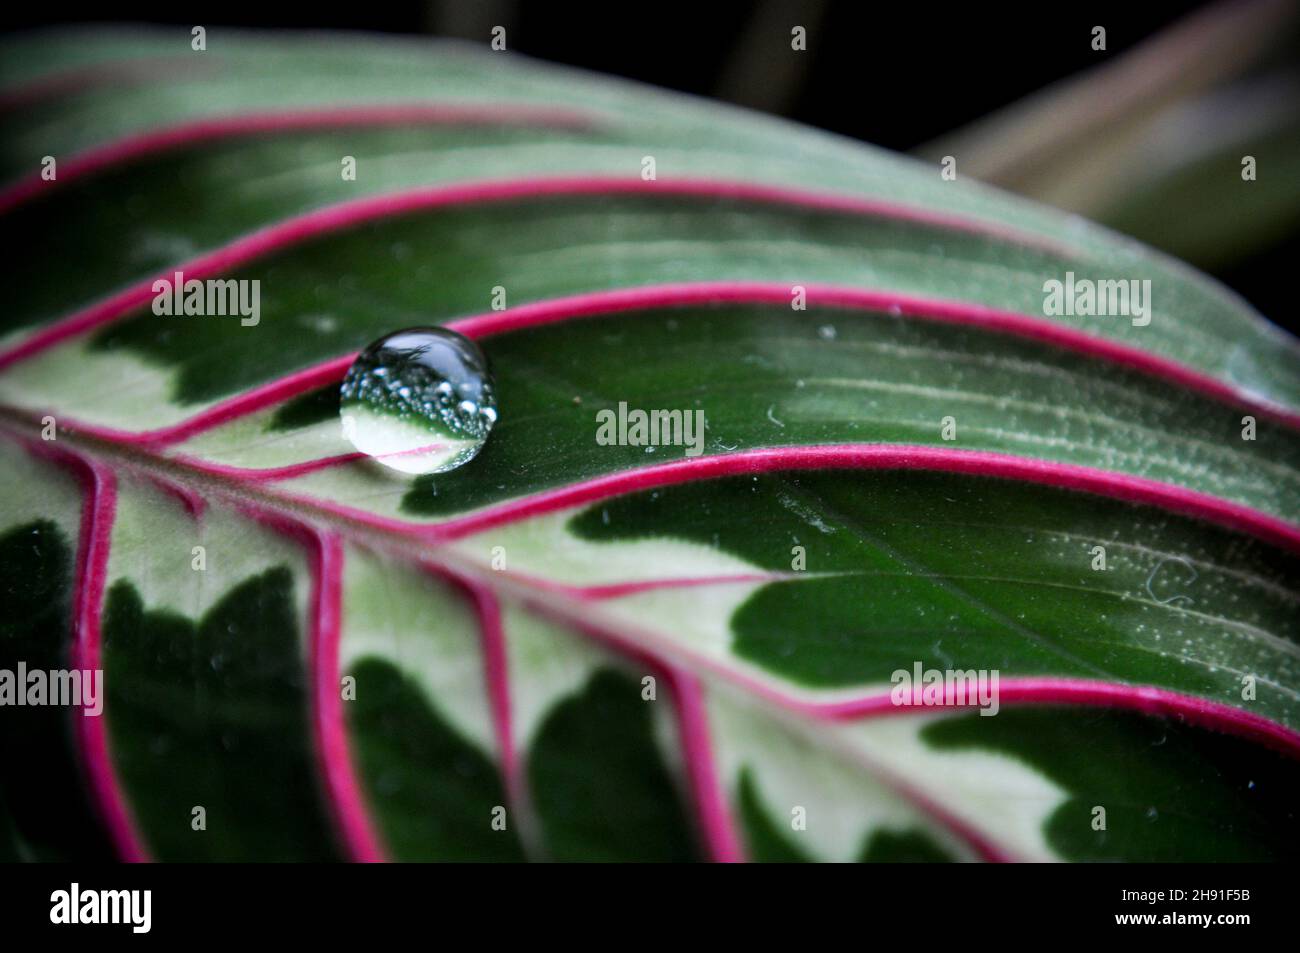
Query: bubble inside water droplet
(419,401)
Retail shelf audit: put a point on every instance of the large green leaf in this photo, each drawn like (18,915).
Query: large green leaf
(572,650)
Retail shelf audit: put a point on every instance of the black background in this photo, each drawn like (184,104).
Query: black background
(929,905)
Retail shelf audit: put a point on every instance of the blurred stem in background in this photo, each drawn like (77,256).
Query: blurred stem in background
(1151,142)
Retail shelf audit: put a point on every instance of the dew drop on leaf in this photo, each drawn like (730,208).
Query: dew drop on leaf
(419,401)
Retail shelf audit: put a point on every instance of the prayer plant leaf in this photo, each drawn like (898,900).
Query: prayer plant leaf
(879,453)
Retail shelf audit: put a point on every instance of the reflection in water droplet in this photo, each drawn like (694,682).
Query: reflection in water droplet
(419,401)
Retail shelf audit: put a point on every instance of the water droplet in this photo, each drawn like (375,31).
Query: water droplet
(419,401)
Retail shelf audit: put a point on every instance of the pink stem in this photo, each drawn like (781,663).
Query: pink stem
(194,503)
(267,474)
(144,145)
(496,664)
(711,802)
(335,218)
(336,760)
(985,848)
(868,457)
(333,749)
(1049,690)
(632,587)
(99,507)
(234,408)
